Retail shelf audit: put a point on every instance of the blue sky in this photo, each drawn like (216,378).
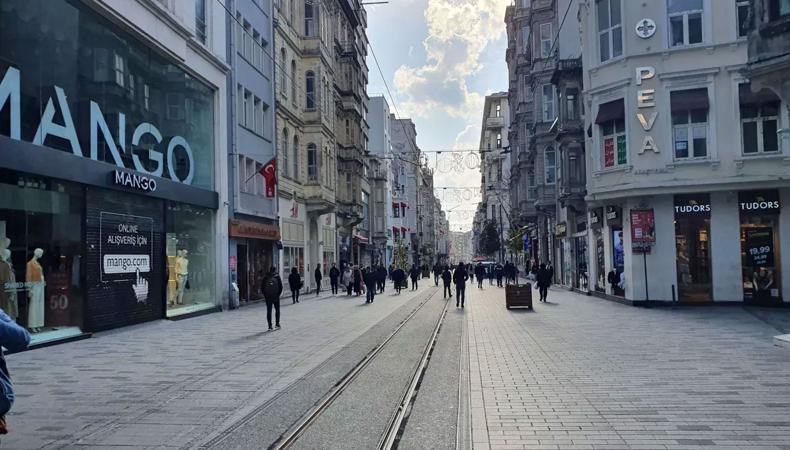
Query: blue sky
(440,58)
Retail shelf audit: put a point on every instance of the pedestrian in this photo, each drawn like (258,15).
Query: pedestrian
(348,280)
(415,276)
(447,279)
(480,271)
(398,278)
(499,272)
(543,281)
(371,278)
(295,283)
(334,274)
(272,289)
(382,277)
(471,272)
(459,278)
(437,272)
(318,278)
(14,338)
(357,280)
(550,268)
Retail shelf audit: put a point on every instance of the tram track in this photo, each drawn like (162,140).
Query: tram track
(399,415)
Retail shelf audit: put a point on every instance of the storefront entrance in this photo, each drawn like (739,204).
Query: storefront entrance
(692,245)
(760,250)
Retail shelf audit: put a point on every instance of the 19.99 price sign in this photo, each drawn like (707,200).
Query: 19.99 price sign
(759,247)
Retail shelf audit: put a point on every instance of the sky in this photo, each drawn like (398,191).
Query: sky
(440,58)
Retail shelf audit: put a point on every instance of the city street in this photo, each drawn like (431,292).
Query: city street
(578,372)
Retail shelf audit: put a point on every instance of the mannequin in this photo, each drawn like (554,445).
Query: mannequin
(8,301)
(34,276)
(182,274)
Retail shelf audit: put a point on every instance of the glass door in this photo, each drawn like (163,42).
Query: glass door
(692,242)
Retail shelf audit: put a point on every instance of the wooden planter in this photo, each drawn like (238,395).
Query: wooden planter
(518,295)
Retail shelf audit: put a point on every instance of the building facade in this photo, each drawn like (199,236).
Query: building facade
(382,178)
(408,177)
(681,203)
(254,227)
(123,223)
(495,166)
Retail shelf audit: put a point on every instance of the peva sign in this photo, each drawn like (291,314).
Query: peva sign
(164,158)
(646,98)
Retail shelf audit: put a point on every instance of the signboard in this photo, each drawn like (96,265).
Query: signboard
(759,202)
(561,229)
(526,242)
(612,213)
(126,250)
(760,247)
(643,230)
(254,230)
(692,204)
(133,181)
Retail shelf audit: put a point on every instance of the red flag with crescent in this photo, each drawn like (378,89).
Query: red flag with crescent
(269,173)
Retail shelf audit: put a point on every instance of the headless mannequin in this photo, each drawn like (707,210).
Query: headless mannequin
(8,300)
(34,276)
(182,275)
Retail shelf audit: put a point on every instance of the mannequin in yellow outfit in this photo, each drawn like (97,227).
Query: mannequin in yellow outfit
(182,275)
(34,276)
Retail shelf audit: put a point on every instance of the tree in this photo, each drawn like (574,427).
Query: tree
(400,257)
(489,238)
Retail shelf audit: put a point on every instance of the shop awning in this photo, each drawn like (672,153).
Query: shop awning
(404,229)
(610,111)
(395,229)
(403,205)
(689,99)
(361,239)
(747,97)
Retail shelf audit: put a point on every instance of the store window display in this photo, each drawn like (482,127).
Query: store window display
(760,249)
(190,259)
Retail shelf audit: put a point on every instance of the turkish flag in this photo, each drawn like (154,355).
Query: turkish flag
(269,173)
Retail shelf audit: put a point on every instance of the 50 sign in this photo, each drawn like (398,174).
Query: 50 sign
(58,302)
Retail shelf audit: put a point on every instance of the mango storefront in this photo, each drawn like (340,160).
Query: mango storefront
(107,161)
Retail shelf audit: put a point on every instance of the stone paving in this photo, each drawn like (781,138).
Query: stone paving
(167,384)
(585,373)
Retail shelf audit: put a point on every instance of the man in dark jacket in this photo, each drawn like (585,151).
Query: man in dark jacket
(480,273)
(459,278)
(499,272)
(371,280)
(14,338)
(447,279)
(272,289)
(398,278)
(381,276)
(415,276)
(334,274)
(437,272)
(295,284)
(543,281)
(318,278)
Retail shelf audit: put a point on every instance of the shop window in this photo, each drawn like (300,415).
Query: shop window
(690,123)
(685,22)
(760,249)
(190,259)
(610,29)
(759,120)
(692,247)
(41,254)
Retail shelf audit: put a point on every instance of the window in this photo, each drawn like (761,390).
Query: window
(611,123)
(282,71)
(610,29)
(548,103)
(200,20)
(284,166)
(499,140)
(493,212)
(146,97)
(293,82)
(395,210)
(249,106)
(254,116)
(260,116)
(310,90)
(291,13)
(759,120)
(256,55)
(296,158)
(531,184)
(498,110)
(743,17)
(247,49)
(309,20)
(312,162)
(545,40)
(690,123)
(120,72)
(240,103)
(349,195)
(239,34)
(571,104)
(778,9)
(685,22)
(550,165)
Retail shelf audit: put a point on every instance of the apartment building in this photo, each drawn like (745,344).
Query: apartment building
(495,165)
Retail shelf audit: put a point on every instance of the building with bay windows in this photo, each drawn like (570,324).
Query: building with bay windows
(687,188)
(112,117)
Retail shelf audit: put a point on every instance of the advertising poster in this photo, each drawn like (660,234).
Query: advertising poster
(643,229)
(126,250)
(760,247)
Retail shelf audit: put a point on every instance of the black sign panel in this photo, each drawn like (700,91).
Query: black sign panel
(125,268)
(760,247)
(759,202)
(692,204)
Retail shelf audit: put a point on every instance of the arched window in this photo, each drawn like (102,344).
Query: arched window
(284,151)
(309,19)
(293,82)
(309,81)
(312,162)
(282,71)
(296,157)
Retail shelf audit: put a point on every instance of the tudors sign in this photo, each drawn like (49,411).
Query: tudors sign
(759,202)
(134,181)
(58,107)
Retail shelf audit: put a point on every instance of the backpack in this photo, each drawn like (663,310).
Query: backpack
(270,287)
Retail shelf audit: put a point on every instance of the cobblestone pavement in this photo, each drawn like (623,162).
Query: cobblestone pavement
(165,384)
(585,373)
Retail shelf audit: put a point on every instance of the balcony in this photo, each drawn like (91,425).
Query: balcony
(495,122)
(320,199)
(769,49)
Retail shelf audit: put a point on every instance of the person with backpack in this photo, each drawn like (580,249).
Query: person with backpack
(447,279)
(318,278)
(295,283)
(14,338)
(272,289)
(459,278)
(543,282)
(334,274)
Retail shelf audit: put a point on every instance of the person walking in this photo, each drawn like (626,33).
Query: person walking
(14,338)
(272,289)
(543,281)
(371,281)
(437,272)
(499,272)
(398,278)
(334,274)
(318,278)
(459,278)
(480,272)
(447,279)
(415,276)
(382,277)
(357,280)
(348,280)
(295,284)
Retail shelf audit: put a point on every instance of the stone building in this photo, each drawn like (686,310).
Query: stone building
(495,166)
